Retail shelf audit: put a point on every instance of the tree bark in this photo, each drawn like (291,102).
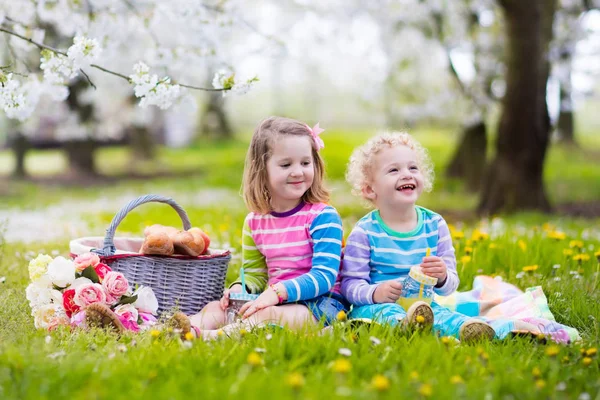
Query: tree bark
(565,127)
(468,162)
(81,153)
(20,146)
(215,121)
(514,179)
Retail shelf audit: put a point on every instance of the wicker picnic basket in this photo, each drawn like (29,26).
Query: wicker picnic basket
(185,282)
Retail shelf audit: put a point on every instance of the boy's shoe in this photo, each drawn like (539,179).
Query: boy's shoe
(419,316)
(101,316)
(475,330)
(181,324)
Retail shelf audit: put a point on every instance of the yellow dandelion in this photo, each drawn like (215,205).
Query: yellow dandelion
(189,336)
(530,268)
(341,366)
(586,361)
(295,380)
(468,250)
(576,244)
(567,252)
(522,245)
(540,383)
(581,257)
(465,259)
(536,372)
(243,332)
(469,242)
(380,383)
(254,359)
(493,246)
(220,333)
(341,316)
(414,375)
(456,380)
(420,319)
(552,351)
(425,390)
(557,235)
(445,340)
(457,235)
(592,351)
(565,359)
(223,227)
(479,235)
(155,333)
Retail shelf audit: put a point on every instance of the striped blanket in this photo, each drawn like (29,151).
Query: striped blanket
(492,299)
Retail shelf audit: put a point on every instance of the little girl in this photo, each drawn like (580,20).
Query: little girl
(291,241)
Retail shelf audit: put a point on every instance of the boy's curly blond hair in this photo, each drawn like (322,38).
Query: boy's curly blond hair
(362,160)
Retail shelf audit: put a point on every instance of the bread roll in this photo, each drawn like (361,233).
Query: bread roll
(157,244)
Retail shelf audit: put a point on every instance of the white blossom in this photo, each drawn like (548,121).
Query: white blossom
(84,51)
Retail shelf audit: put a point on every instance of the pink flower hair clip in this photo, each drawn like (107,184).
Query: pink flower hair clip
(315,132)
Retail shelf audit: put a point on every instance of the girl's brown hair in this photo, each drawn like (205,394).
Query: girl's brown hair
(255,182)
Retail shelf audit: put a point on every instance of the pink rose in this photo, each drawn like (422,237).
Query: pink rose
(85,260)
(128,315)
(102,270)
(89,293)
(115,284)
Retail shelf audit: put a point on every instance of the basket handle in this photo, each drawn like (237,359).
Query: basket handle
(109,245)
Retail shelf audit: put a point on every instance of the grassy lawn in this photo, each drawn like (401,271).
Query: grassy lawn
(383,363)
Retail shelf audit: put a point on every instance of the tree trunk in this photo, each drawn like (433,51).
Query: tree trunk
(215,121)
(514,179)
(468,162)
(565,127)
(80,154)
(20,146)
(141,143)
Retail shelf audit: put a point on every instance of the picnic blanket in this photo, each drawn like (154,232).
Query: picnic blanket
(494,300)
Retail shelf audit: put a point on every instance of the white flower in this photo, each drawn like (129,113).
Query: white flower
(80,281)
(152,91)
(223,78)
(375,341)
(61,272)
(84,52)
(41,293)
(146,300)
(345,352)
(19,100)
(49,315)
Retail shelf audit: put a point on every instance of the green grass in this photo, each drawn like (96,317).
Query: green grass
(97,365)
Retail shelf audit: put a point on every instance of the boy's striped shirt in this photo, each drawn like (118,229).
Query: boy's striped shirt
(375,253)
(300,248)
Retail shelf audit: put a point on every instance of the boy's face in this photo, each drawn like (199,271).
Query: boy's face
(396,180)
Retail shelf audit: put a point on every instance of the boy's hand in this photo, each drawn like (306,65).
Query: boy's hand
(435,266)
(266,299)
(387,292)
(224,302)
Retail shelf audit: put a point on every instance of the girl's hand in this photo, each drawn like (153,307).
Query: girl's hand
(266,299)
(387,292)
(224,302)
(436,267)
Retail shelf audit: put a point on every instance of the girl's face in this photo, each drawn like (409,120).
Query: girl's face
(290,171)
(396,180)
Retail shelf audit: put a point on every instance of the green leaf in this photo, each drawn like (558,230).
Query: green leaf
(91,274)
(128,299)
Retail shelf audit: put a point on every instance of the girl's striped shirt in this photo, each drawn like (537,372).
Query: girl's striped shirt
(375,253)
(300,248)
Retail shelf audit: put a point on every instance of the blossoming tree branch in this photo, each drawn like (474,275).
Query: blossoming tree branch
(100,31)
